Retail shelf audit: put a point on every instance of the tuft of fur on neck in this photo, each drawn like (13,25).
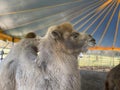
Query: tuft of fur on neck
(66,26)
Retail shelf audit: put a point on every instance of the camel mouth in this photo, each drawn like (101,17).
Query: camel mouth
(91,42)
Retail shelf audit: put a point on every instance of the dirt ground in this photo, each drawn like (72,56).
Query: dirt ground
(92,80)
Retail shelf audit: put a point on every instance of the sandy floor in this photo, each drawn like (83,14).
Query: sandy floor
(92,80)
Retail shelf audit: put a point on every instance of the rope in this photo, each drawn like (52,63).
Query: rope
(108,25)
(81,10)
(46,18)
(88,19)
(102,19)
(66,17)
(116,33)
(97,17)
(31,10)
(87,14)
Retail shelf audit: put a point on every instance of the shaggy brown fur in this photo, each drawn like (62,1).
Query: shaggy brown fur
(113,79)
(53,68)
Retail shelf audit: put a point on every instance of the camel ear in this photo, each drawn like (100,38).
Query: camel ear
(56,34)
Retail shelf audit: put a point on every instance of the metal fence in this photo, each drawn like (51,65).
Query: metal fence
(92,61)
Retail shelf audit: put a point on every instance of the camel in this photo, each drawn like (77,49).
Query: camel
(113,79)
(46,63)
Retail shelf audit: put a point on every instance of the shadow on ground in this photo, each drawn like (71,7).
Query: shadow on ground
(92,80)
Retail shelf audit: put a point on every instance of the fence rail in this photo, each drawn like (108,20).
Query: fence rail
(98,61)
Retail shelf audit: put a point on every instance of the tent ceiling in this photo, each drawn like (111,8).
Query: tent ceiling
(101,18)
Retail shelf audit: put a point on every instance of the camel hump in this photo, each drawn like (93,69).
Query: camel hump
(30,35)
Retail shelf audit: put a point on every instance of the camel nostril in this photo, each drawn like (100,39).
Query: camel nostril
(89,35)
(93,39)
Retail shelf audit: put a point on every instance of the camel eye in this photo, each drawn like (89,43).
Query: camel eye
(75,35)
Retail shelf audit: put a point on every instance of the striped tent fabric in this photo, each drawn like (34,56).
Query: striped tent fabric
(100,18)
